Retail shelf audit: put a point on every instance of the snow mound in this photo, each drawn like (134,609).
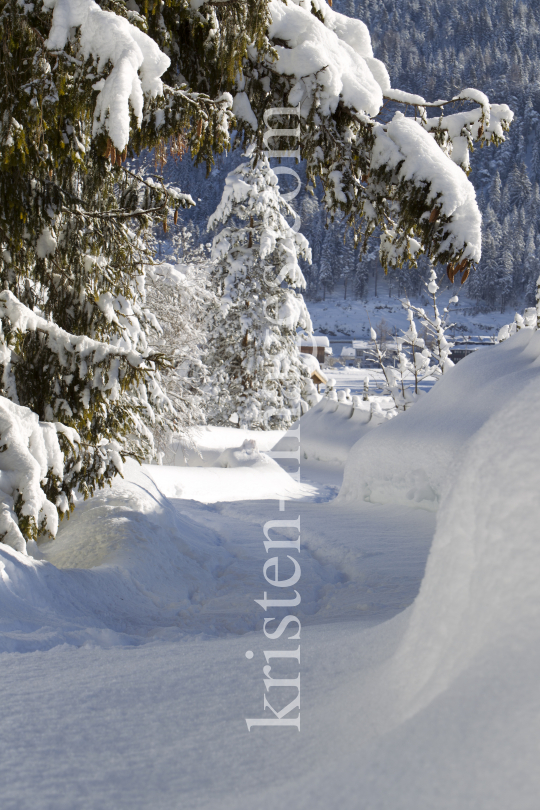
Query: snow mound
(480,593)
(129,566)
(408,459)
(248,455)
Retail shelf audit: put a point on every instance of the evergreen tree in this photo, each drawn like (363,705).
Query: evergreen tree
(258,379)
(83,89)
(361,278)
(255,51)
(327,264)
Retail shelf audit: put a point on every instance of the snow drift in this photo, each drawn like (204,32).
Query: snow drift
(408,459)
(462,686)
(202,446)
(481,590)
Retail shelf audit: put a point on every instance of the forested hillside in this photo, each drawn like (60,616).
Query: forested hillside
(436,48)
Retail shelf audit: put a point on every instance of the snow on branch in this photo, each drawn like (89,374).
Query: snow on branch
(399,176)
(137,61)
(29,453)
(100,367)
(412,155)
(313,49)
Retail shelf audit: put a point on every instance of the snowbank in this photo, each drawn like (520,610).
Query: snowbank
(129,565)
(213,484)
(462,687)
(408,459)
(480,591)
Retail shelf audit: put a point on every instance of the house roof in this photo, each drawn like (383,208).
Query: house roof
(318,378)
(312,340)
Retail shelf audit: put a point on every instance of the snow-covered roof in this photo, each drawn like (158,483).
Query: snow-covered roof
(313,340)
(348,351)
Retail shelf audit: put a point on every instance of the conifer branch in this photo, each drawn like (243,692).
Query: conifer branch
(113,215)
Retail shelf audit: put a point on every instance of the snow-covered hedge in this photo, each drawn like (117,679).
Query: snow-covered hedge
(334,425)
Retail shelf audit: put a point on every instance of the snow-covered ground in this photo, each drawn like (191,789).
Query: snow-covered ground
(125,677)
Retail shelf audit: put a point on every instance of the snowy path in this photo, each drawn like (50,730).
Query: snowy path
(162,726)
(137,690)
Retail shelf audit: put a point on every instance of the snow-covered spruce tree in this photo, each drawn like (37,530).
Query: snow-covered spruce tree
(82,91)
(257,375)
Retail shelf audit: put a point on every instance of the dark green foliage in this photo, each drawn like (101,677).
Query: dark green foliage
(72,249)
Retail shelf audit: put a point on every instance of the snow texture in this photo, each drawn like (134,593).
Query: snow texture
(137,62)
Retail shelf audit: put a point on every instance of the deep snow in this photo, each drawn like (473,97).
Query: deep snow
(124,672)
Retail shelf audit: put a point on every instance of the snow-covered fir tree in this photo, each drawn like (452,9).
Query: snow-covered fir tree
(258,378)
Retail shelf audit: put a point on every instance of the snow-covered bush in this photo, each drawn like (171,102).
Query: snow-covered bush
(529,320)
(437,327)
(31,473)
(257,377)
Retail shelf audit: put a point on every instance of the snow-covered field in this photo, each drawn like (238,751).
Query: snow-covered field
(125,677)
